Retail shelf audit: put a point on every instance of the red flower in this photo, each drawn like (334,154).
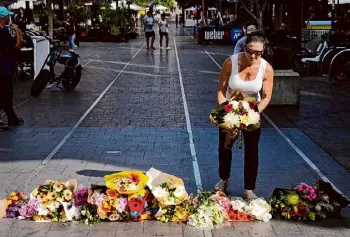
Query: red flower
(112,193)
(242,126)
(292,213)
(136,204)
(231,216)
(228,108)
(245,113)
(134,178)
(302,211)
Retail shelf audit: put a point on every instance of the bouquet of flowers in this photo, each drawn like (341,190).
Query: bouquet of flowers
(29,210)
(167,189)
(142,206)
(126,182)
(289,204)
(15,201)
(259,209)
(236,115)
(56,200)
(110,205)
(178,213)
(205,212)
(88,215)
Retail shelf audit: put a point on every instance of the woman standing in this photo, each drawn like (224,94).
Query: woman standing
(249,73)
(163,32)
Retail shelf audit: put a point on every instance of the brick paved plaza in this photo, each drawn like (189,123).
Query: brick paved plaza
(128,113)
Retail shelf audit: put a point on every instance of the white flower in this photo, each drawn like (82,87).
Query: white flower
(232,120)
(43,211)
(53,206)
(245,120)
(160,192)
(238,205)
(254,117)
(234,104)
(180,191)
(245,105)
(266,217)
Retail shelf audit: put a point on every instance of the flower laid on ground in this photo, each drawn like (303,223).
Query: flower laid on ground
(178,213)
(142,206)
(88,215)
(29,209)
(80,197)
(55,202)
(126,182)
(308,191)
(259,209)
(15,201)
(205,212)
(110,205)
(289,205)
(166,188)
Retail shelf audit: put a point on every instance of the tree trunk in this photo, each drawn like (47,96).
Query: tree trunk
(50,18)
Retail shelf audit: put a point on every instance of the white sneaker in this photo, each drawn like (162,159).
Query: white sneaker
(168,48)
(162,47)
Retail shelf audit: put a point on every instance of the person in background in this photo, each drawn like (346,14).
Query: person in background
(149,31)
(10,44)
(21,20)
(163,31)
(239,48)
(176,20)
(70,30)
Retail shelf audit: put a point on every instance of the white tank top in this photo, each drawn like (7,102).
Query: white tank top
(248,88)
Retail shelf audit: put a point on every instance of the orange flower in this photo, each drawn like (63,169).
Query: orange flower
(136,204)
(134,178)
(112,193)
(106,207)
(231,216)
(240,216)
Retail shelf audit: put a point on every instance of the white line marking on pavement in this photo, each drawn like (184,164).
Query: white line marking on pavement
(113,152)
(197,174)
(210,72)
(69,134)
(296,149)
(123,63)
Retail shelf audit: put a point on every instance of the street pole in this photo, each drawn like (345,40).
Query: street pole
(203,11)
(236,8)
(333,14)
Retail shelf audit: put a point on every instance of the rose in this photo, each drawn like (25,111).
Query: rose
(228,108)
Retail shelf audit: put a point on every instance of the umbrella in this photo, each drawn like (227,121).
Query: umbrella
(160,8)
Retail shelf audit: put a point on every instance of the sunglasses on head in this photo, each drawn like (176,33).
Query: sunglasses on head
(255,52)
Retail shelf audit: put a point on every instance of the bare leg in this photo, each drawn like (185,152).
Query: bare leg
(152,42)
(161,40)
(147,41)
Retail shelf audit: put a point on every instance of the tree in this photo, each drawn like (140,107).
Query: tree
(258,9)
(141,3)
(165,3)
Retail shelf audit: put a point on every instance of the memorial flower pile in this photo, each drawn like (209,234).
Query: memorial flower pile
(134,196)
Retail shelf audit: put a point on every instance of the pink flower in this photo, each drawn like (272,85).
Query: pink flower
(195,201)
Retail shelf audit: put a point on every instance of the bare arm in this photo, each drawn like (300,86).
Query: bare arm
(18,37)
(224,78)
(267,89)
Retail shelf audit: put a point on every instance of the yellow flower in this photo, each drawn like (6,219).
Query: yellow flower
(67,195)
(13,194)
(15,198)
(9,202)
(51,196)
(58,187)
(42,197)
(35,192)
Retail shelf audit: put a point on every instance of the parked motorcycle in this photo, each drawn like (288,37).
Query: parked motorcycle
(70,77)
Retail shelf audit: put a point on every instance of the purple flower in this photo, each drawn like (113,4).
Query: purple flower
(30,209)
(81,197)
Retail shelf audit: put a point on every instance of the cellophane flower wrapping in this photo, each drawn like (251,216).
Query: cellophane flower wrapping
(126,182)
(236,114)
(56,202)
(166,188)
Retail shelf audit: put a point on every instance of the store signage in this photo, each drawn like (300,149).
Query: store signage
(214,35)
(225,35)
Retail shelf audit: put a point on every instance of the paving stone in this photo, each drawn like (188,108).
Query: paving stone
(227,232)
(253,226)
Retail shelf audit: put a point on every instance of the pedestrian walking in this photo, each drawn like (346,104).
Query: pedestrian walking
(148,23)
(70,30)
(163,31)
(10,44)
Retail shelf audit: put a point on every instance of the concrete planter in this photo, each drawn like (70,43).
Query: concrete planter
(286,88)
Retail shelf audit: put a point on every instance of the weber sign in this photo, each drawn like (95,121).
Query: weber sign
(214,35)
